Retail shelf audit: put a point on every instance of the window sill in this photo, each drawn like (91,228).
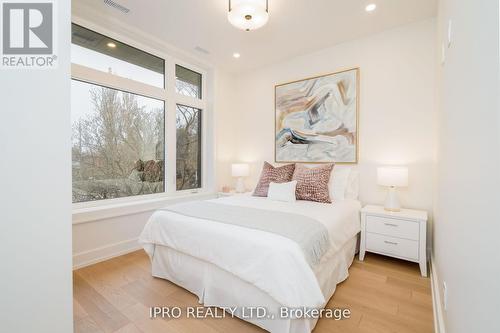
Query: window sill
(101,212)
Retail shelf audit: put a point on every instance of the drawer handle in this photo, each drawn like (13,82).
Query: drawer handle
(391,224)
(392,243)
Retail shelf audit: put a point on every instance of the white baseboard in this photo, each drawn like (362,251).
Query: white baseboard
(436,299)
(103,253)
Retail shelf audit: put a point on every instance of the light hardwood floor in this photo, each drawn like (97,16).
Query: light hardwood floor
(383,294)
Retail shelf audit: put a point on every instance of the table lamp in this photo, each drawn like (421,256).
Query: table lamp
(240,170)
(392,177)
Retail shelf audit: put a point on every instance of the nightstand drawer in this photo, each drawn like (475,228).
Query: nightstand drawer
(393,227)
(392,246)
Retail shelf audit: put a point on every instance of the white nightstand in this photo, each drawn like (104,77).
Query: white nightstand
(397,234)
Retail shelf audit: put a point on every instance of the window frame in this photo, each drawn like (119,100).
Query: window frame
(170,98)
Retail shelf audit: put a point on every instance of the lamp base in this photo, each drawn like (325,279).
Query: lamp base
(240,185)
(391,201)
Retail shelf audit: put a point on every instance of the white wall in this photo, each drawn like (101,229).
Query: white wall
(105,238)
(100,234)
(467,227)
(35,214)
(226,116)
(397,108)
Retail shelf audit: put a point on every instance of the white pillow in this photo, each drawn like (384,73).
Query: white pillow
(344,184)
(352,190)
(282,191)
(338,183)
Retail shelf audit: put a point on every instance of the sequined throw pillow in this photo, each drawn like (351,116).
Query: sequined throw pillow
(312,183)
(273,174)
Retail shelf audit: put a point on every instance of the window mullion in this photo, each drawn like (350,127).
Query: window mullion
(170,132)
(190,101)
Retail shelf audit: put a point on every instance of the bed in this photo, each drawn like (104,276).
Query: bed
(228,265)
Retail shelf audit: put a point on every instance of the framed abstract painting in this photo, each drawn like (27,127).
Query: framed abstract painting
(317,119)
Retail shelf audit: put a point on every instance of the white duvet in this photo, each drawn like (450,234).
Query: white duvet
(272,263)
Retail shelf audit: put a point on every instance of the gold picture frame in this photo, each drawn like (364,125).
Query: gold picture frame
(305,99)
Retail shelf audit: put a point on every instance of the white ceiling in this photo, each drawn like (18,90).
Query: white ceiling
(295,27)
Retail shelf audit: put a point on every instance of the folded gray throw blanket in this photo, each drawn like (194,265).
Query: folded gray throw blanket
(311,235)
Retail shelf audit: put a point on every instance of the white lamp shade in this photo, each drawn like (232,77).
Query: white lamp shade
(392,176)
(248,14)
(240,170)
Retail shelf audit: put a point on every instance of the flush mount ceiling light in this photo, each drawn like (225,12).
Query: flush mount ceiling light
(236,55)
(111,45)
(248,14)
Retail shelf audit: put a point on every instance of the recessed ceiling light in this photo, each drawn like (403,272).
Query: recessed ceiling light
(371,7)
(236,55)
(111,45)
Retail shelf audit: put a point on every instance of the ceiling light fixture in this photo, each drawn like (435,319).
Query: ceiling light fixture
(111,45)
(371,7)
(236,55)
(248,14)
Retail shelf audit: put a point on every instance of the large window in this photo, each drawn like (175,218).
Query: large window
(117,143)
(122,134)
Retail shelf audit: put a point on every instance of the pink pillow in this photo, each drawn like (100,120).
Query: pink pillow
(312,183)
(273,174)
